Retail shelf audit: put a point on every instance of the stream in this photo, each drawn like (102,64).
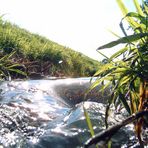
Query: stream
(49,114)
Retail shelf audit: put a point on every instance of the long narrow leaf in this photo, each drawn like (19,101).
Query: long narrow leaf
(139,10)
(104,68)
(124,102)
(143,20)
(124,10)
(145,7)
(136,15)
(95,84)
(114,33)
(88,121)
(110,101)
(18,71)
(102,54)
(118,53)
(13,65)
(122,7)
(128,39)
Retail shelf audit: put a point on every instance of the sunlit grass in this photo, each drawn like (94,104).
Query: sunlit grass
(31,47)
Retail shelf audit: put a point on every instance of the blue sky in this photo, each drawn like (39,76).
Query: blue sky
(79,24)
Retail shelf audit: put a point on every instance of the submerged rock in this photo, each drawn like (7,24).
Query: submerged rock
(49,113)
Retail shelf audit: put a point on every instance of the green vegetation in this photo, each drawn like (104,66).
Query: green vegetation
(126,71)
(36,54)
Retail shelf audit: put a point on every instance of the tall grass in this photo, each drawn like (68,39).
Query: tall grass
(31,47)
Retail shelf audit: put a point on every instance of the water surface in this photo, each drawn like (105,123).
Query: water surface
(49,113)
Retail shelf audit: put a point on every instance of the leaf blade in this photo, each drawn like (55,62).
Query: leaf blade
(123,40)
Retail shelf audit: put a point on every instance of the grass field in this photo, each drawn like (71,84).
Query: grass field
(39,55)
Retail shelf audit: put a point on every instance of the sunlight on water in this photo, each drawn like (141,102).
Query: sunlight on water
(40,112)
(59,130)
(9,137)
(86,105)
(24,85)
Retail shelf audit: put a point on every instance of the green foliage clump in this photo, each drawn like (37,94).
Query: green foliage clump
(126,71)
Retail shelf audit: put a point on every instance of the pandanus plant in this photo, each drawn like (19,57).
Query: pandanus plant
(126,71)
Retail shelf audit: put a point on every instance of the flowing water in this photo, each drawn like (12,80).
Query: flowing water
(49,114)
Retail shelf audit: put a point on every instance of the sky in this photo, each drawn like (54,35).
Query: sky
(79,24)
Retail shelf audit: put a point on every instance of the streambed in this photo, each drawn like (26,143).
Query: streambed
(49,113)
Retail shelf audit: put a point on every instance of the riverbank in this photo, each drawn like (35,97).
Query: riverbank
(38,56)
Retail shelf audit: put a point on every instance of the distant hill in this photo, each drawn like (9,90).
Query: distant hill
(41,56)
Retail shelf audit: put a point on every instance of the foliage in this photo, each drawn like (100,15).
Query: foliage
(126,71)
(7,67)
(32,48)
(108,133)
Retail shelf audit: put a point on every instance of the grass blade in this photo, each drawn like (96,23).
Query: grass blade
(124,102)
(128,39)
(88,121)
(118,53)
(139,10)
(124,10)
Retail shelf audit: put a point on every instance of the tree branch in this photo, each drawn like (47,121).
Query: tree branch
(108,133)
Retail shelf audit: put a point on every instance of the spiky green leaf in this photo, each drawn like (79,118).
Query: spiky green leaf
(127,39)
(118,53)
(137,5)
(124,102)
(88,121)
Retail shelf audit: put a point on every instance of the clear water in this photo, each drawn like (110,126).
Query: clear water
(49,114)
